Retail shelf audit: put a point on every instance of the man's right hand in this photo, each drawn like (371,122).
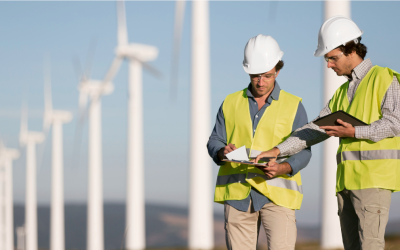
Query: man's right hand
(274,152)
(225,150)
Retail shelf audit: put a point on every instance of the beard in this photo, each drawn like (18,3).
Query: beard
(344,69)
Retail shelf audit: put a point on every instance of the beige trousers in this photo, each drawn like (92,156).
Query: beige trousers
(242,228)
(363,217)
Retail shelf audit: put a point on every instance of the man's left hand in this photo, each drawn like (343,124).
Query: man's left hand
(274,169)
(343,130)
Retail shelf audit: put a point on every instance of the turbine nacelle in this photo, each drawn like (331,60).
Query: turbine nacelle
(8,153)
(95,88)
(26,137)
(57,116)
(137,51)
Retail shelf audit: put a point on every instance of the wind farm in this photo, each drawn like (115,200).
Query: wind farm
(113,155)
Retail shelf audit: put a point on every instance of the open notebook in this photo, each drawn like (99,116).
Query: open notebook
(240,156)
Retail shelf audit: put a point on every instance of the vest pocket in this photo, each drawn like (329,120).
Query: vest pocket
(375,217)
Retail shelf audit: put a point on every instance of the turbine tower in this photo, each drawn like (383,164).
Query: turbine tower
(30,139)
(56,118)
(331,237)
(7,155)
(201,233)
(201,228)
(94,90)
(137,55)
(2,206)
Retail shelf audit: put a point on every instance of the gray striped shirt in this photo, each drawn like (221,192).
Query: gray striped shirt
(387,126)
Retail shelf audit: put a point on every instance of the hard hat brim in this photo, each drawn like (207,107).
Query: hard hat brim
(322,51)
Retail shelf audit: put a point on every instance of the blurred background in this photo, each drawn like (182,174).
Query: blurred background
(64,31)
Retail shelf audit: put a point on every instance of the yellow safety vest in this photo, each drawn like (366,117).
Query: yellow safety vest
(234,180)
(363,163)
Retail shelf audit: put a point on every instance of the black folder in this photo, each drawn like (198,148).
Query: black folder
(330,120)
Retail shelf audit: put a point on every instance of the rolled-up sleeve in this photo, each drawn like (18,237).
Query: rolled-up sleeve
(299,160)
(217,139)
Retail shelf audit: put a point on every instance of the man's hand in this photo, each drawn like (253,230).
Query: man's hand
(274,169)
(225,150)
(270,153)
(343,130)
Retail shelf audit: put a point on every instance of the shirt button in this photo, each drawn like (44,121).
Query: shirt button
(255,103)
(256,116)
(254,130)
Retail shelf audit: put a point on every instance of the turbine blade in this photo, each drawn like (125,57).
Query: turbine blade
(76,62)
(90,57)
(147,66)
(46,122)
(179,18)
(48,106)
(121,18)
(42,147)
(116,63)
(78,130)
(24,118)
(152,70)
(83,99)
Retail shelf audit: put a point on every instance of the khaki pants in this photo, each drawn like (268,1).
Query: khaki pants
(363,217)
(242,228)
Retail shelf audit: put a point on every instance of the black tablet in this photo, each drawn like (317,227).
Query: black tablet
(330,120)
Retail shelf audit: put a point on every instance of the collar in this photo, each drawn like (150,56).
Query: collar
(360,70)
(274,94)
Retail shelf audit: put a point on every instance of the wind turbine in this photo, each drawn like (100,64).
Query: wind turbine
(2,207)
(30,139)
(331,237)
(20,231)
(94,90)
(137,55)
(201,229)
(55,118)
(7,155)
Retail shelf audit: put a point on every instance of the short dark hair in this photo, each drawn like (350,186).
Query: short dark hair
(279,65)
(351,46)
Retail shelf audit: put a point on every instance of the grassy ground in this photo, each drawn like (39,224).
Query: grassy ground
(392,243)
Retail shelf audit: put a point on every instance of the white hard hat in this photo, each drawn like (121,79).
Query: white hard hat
(261,54)
(336,31)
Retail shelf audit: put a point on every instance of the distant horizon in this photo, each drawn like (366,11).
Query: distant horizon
(165,226)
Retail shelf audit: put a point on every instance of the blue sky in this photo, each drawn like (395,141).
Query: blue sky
(30,30)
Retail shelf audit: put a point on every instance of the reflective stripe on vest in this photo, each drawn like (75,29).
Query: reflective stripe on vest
(276,125)
(363,163)
(368,155)
(232,178)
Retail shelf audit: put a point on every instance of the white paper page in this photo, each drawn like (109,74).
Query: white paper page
(239,154)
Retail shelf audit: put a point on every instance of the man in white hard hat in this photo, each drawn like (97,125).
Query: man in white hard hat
(368,157)
(258,117)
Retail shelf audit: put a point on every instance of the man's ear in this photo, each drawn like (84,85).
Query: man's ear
(353,54)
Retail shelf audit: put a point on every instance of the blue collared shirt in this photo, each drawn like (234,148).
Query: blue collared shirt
(217,141)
